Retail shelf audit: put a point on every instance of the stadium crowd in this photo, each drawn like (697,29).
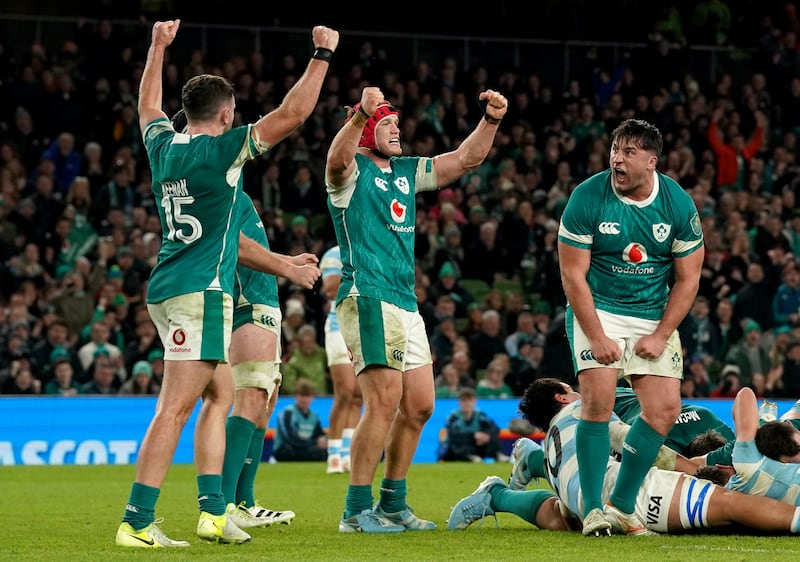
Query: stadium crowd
(79,228)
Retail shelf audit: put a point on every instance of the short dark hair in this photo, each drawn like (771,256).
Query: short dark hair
(775,439)
(538,404)
(643,134)
(706,442)
(202,96)
(179,122)
(713,474)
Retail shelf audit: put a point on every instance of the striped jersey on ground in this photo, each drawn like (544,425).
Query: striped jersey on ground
(763,476)
(561,458)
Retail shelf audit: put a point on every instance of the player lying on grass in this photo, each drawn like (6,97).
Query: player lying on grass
(668,501)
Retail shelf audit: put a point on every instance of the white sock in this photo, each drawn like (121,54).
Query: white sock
(334,447)
(347,437)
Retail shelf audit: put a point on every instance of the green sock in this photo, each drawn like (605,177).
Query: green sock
(358,499)
(238,432)
(522,503)
(535,462)
(393,495)
(209,493)
(140,510)
(643,443)
(592,445)
(252,462)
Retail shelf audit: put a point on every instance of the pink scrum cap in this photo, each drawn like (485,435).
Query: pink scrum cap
(385,109)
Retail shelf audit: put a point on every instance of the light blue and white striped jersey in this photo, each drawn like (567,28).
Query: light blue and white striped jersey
(762,476)
(331,264)
(561,459)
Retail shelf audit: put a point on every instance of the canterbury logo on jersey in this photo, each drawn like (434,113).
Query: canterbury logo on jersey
(608,228)
(400,183)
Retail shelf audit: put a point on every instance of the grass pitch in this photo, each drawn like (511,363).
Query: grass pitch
(64,513)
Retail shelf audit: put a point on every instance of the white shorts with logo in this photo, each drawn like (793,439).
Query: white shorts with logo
(380,333)
(655,497)
(195,326)
(626,331)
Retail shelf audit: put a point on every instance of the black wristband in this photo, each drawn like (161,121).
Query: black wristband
(492,120)
(323,53)
(360,117)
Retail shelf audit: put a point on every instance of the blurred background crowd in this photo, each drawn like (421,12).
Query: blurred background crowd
(79,230)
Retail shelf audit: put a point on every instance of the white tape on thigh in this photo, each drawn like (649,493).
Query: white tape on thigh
(695,499)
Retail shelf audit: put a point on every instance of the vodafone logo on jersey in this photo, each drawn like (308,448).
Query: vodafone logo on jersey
(398,211)
(634,253)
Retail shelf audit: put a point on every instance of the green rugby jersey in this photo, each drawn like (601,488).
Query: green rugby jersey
(691,422)
(633,243)
(196,181)
(375,222)
(256,287)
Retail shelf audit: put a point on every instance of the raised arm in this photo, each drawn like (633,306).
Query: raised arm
(745,415)
(340,162)
(475,148)
(150,94)
(302,98)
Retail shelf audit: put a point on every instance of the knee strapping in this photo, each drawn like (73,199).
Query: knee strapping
(257,374)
